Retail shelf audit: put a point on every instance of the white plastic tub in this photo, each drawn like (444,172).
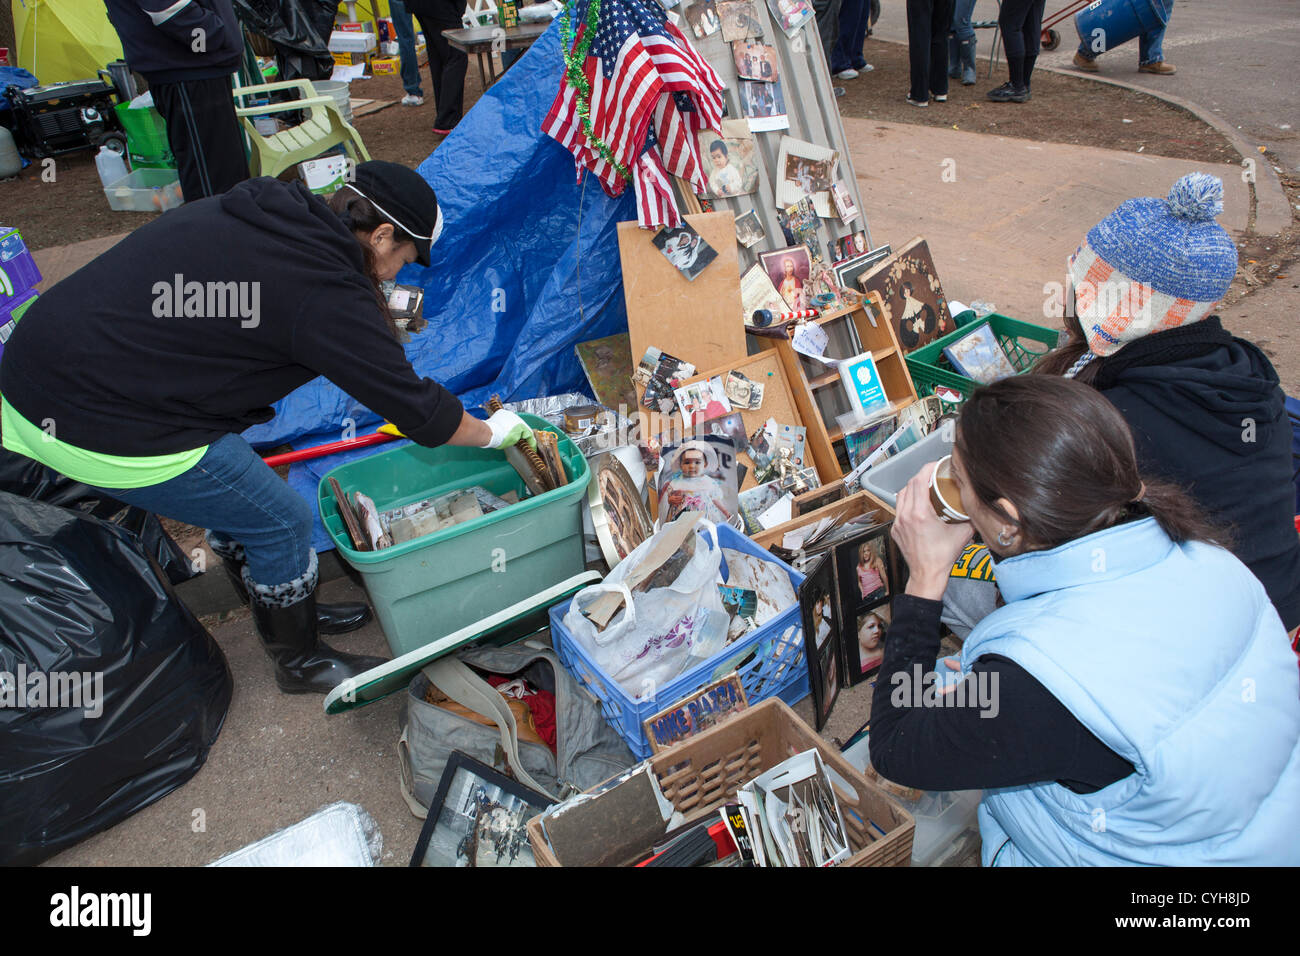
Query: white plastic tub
(146,190)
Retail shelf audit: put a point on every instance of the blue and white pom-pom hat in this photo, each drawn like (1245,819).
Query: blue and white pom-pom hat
(1153,264)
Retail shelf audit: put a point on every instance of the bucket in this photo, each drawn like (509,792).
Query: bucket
(1106,24)
(338,92)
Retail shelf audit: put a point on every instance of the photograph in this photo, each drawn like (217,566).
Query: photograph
(730,163)
(788,269)
(978,356)
(749,230)
(742,391)
(870,575)
(685,249)
(806,169)
(866,653)
(739,19)
(699,475)
(741,604)
(763,104)
(703,18)
(848,247)
(844,204)
(914,301)
(821,628)
(804,222)
(790,15)
(701,401)
(478,818)
(857,265)
(660,374)
(755,61)
(758,501)
(626,516)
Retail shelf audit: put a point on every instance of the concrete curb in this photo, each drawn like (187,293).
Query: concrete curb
(1272,208)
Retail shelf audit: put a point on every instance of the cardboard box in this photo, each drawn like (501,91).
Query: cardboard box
(385,65)
(324,175)
(421,53)
(344,42)
(349,59)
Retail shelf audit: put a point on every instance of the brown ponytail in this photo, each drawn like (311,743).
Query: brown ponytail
(360,216)
(1064,456)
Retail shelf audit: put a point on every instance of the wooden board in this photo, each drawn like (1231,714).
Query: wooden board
(698,321)
(778,403)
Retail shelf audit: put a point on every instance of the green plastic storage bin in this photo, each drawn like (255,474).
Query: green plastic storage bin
(930,368)
(146,137)
(427,588)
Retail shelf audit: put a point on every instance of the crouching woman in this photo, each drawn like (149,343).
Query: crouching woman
(1135,700)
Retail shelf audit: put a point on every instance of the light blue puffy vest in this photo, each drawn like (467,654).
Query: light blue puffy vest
(1173,656)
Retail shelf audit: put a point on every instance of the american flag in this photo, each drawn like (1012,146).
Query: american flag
(651,94)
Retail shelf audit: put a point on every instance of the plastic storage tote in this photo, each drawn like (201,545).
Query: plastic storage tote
(887,478)
(146,190)
(432,586)
(930,368)
(770,661)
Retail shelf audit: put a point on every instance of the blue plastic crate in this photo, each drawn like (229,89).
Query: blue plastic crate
(770,661)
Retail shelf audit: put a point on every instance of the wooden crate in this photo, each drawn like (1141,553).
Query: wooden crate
(701,774)
(818,391)
(845,508)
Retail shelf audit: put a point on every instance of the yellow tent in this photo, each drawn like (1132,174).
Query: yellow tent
(60,40)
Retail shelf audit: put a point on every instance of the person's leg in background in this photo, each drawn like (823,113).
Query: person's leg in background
(204,135)
(1011,24)
(847,55)
(405,31)
(961,46)
(1032,31)
(919,15)
(940,23)
(447,67)
(1151,55)
(828,29)
(244,503)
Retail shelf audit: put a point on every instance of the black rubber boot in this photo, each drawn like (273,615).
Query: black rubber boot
(330,618)
(304,664)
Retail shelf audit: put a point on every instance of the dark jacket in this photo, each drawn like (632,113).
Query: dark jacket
(108,355)
(1207,413)
(445,12)
(169,50)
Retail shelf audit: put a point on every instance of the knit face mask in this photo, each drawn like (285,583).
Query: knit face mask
(1153,264)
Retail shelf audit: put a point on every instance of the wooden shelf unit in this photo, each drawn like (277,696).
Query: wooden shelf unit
(809,380)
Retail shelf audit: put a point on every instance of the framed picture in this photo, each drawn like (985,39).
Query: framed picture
(755,61)
(913,296)
(821,628)
(978,356)
(789,270)
(698,712)
(850,270)
(869,571)
(478,817)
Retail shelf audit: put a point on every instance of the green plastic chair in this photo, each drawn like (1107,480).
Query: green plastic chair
(321,130)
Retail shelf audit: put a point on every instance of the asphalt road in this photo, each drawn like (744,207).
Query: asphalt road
(1236,58)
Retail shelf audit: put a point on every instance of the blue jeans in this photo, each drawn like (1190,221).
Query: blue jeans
(1149,44)
(232,492)
(406,46)
(961,17)
(847,52)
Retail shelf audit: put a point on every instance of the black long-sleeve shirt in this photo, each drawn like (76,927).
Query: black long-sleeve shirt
(189,328)
(1029,737)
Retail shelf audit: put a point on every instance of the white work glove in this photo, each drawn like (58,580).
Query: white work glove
(507,429)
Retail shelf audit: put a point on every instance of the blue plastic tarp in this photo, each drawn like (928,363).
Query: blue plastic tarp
(527,267)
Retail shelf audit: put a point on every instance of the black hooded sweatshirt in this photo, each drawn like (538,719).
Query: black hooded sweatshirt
(108,355)
(1207,413)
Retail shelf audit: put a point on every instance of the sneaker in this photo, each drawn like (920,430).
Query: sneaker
(1006,93)
(412,99)
(846,75)
(941,97)
(441,132)
(1160,68)
(917,102)
(1085,64)
(865,68)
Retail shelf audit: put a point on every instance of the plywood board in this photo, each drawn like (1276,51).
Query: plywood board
(696,320)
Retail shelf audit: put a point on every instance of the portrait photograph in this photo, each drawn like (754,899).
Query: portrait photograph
(789,270)
(763,104)
(703,19)
(867,649)
(730,163)
(755,61)
(685,249)
(749,231)
(699,475)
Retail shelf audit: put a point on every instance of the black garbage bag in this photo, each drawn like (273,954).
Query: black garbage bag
(300,30)
(111,692)
(20,475)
